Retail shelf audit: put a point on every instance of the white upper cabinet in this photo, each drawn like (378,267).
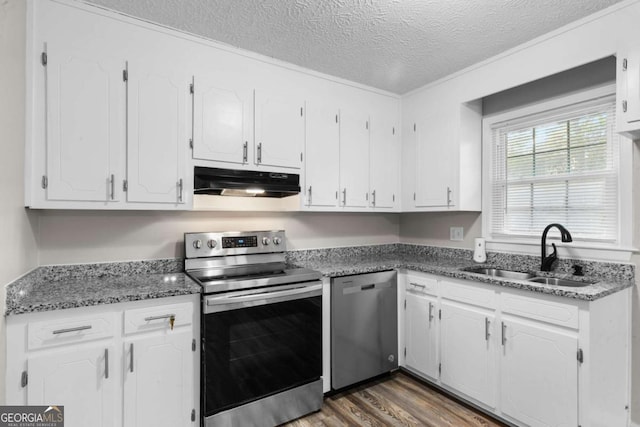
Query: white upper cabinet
(354,159)
(442,155)
(384,162)
(157,133)
(85,124)
(279,129)
(222,120)
(628,92)
(322,155)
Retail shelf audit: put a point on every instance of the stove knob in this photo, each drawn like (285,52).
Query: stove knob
(276,241)
(212,244)
(266,241)
(197,244)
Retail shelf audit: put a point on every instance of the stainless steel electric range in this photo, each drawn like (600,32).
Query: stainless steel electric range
(261,329)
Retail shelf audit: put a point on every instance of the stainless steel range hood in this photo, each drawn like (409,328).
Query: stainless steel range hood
(244,183)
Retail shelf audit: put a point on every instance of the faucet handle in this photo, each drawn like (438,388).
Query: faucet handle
(577,270)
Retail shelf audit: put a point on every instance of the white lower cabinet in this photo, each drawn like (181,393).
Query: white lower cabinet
(81,379)
(532,359)
(468,354)
(539,381)
(421,334)
(129,364)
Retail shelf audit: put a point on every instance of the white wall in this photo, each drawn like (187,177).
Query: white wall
(92,236)
(432,228)
(18,251)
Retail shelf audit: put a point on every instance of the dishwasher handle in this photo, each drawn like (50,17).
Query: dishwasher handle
(354,289)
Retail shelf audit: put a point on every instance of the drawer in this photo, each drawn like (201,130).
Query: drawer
(540,307)
(421,285)
(469,293)
(70,330)
(157,318)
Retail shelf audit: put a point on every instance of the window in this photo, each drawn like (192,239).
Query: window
(558,165)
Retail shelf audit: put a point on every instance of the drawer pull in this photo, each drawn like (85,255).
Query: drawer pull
(417,285)
(64,331)
(171,317)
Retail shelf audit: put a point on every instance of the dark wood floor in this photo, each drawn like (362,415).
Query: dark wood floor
(397,400)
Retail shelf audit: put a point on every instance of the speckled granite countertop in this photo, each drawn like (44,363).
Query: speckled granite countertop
(61,287)
(452,264)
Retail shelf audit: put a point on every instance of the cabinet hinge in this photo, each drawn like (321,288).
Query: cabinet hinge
(44,58)
(191,143)
(125,75)
(440,369)
(191,89)
(44,182)
(193,415)
(125,185)
(580,356)
(440,314)
(24,380)
(193,345)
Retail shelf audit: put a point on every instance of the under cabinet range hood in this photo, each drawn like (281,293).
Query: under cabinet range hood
(245,183)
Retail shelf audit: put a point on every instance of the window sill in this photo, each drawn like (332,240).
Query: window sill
(573,250)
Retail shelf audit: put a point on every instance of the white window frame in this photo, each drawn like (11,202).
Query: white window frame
(622,250)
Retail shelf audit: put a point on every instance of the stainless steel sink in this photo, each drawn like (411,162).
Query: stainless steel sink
(505,274)
(560,282)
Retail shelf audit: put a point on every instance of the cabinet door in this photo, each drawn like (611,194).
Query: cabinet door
(421,334)
(81,379)
(468,352)
(85,124)
(222,120)
(157,134)
(322,154)
(279,129)
(354,159)
(539,375)
(385,159)
(629,89)
(158,380)
(434,167)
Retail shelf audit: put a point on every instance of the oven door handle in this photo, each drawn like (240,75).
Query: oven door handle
(231,302)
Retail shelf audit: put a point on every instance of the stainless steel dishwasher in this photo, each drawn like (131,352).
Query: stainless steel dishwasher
(364,327)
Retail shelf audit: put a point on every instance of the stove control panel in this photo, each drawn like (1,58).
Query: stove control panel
(200,245)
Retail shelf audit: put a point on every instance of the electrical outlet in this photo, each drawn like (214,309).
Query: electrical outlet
(456,233)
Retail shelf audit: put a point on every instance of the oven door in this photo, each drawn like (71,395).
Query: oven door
(260,342)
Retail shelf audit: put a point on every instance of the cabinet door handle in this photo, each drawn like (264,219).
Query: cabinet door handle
(373,198)
(504,334)
(344,197)
(131,357)
(309,196)
(245,152)
(624,106)
(164,316)
(64,331)
(180,188)
(259,152)
(106,363)
(430,312)
(486,329)
(112,190)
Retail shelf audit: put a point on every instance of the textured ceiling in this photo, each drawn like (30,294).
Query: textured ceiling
(396,45)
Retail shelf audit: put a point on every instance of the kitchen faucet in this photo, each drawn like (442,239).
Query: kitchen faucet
(547,261)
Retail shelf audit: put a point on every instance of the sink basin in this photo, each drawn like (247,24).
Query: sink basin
(505,274)
(560,282)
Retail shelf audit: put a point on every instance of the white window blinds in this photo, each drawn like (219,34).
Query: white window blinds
(559,166)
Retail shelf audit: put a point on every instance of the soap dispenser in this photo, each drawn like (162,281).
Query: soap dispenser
(479,252)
